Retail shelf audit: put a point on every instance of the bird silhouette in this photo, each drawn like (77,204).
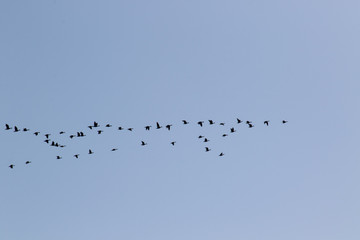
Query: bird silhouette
(250,125)
(200,136)
(266,122)
(221,154)
(7,127)
(90,152)
(158,125)
(173,143)
(143,143)
(206,140)
(168,126)
(114,149)
(207,149)
(108,125)
(36,133)
(211,122)
(26,129)
(284,121)
(147,128)
(120,128)
(222,124)
(62,132)
(47,135)
(185,122)
(232,130)
(47,140)
(12,166)
(16,129)
(58,157)
(130,129)
(238,120)
(76,155)
(200,123)
(27,162)
(224,135)
(91,127)
(100,131)
(71,136)
(96,124)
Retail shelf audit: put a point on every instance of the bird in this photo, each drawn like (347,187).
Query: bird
(147,128)
(96,124)
(90,152)
(158,125)
(62,146)
(211,122)
(143,143)
(224,135)
(266,122)
(114,149)
(248,122)
(58,157)
(26,129)
(71,136)
(36,133)
(206,140)
(91,127)
(200,123)
(207,149)
(284,121)
(108,125)
(16,129)
(80,134)
(47,140)
(200,136)
(27,162)
(232,130)
(62,132)
(221,154)
(222,124)
(250,125)
(76,155)
(100,131)
(185,122)
(238,120)
(11,166)
(168,126)
(7,127)
(130,129)
(173,143)
(47,135)
(120,128)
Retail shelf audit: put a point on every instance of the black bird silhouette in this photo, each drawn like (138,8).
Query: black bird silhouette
(108,125)
(47,140)
(16,129)
(12,166)
(62,146)
(62,132)
(26,129)
(27,162)
(36,133)
(211,122)
(143,143)
(80,134)
(232,130)
(207,149)
(266,122)
(168,126)
(284,121)
(158,125)
(96,124)
(99,131)
(130,129)
(173,143)
(114,149)
(224,135)
(90,127)
(58,157)
(47,135)
(7,127)
(222,124)
(248,122)
(250,125)
(221,154)
(185,122)
(238,120)
(120,128)
(90,152)
(206,140)
(200,123)
(147,128)
(76,155)
(200,136)
(71,136)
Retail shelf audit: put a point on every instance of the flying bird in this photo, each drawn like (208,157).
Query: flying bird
(224,135)
(27,162)
(173,143)
(7,127)
(120,128)
(130,129)
(114,149)
(96,124)
(47,140)
(168,126)
(90,152)
(147,128)
(206,140)
(158,125)
(58,157)
(207,149)
(250,125)
(62,132)
(100,131)
(108,125)
(200,123)
(91,127)
(284,121)
(200,136)
(221,154)
(211,122)
(47,135)
(232,130)
(76,155)
(266,122)
(248,122)
(12,166)
(238,120)
(143,143)
(222,124)
(26,129)
(36,133)
(16,129)
(185,122)
(71,136)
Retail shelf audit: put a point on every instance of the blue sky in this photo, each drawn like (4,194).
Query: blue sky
(65,64)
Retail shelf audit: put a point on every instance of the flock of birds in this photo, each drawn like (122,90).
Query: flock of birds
(96,127)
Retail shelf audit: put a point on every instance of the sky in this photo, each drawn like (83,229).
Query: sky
(65,64)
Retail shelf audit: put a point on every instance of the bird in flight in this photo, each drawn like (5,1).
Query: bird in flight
(232,130)
(100,131)
(90,127)
(36,133)
(238,120)
(250,125)
(185,122)
(221,154)
(266,122)
(147,128)
(248,122)
(72,136)
(222,124)
(90,152)
(207,149)
(7,127)
(76,155)
(173,143)
(96,124)
(120,128)
(206,140)
(62,132)
(47,135)
(12,166)
(284,121)
(27,162)
(158,125)
(114,149)
(16,129)
(211,122)
(224,135)
(130,129)
(168,126)
(108,125)
(200,136)
(143,143)
(26,129)
(200,123)
(58,157)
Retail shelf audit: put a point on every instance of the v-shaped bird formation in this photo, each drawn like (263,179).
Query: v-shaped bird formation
(95,126)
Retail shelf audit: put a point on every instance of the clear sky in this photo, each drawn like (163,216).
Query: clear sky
(65,64)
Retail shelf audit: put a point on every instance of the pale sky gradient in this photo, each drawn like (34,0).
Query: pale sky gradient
(64,64)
